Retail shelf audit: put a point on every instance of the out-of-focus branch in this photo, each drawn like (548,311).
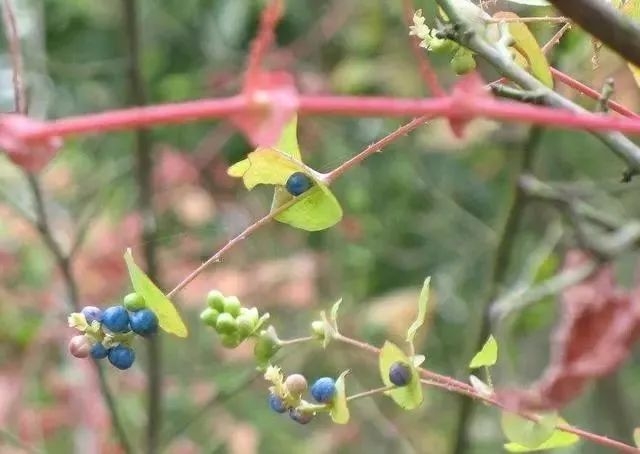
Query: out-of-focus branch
(606,23)
(144,174)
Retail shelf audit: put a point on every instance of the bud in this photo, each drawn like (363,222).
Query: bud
(317,329)
(230,340)
(232,305)
(79,346)
(266,346)
(226,324)
(209,316)
(215,300)
(134,302)
(463,62)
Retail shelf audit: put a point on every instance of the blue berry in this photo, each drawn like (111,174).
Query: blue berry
(92,313)
(300,417)
(144,322)
(116,319)
(276,404)
(399,374)
(323,390)
(121,357)
(98,351)
(298,183)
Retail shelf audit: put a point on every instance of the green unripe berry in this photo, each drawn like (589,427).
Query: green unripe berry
(215,300)
(266,346)
(296,384)
(463,62)
(226,324)
(317,329)
(245,325)
(134,302)
(230,340)
(232,305)
(209,316)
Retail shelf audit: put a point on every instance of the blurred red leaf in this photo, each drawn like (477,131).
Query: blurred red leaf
(28,154)
(598,326)
(469,88)
(273,100)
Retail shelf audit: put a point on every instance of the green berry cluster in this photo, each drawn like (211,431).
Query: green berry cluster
(233,322)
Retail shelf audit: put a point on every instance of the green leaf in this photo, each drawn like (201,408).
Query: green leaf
(531,2)
(288,142)
(407,397)
(530,434)
(526,44)
(636,436)
(558,439)
(632,9)
(339,410)
(316,209)
(266,166)
(423,299)
(168,316)
(334,313)
(487,356)
(329,330)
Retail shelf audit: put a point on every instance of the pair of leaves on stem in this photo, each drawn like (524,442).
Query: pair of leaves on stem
(524,435)
(316,209)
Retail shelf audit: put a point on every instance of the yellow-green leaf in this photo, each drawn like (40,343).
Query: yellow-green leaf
(168,316)
(339,410)
(636,436)
(410,396)
(558,439)
(266,166)
(334,313)
(288,143)
(530,434)
(487,356)
(526,44)
(316,209)
(423,299)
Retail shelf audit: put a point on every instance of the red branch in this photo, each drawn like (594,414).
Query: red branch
(263,40)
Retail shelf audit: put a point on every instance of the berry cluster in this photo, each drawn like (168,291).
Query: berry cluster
(233,322)
(286,395)
(109,333)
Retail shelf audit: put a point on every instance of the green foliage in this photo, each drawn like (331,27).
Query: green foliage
(155,299)
(527,433)
(558,439)
(339,410)
(487,356)
(422,311)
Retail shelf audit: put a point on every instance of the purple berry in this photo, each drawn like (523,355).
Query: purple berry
(79,346)
(144,322)
(300,417)
(92,313)
(323,389)
(116,319)
(399,374)
(121,356)
(276,404)
(98,351)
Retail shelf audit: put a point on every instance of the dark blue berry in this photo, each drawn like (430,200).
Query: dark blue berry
(98,351)
(301,417)
(121,357)
(116,319)
(399,374)
(92,313)
(144,322)
(276,404)
(298,183)
(323,390)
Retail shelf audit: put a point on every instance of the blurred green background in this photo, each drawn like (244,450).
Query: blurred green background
(430,204)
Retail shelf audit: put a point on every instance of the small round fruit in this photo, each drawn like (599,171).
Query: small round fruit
(277,404)
(121,356)
(215,300)
(116,319)
(400,374)
(226,324)
(98,351)
(79,346)
(317,328)
(323,390)
(296,384)
(92,313)
(230,340)
(246,325)
(232,305)
(301,417)
(144,322)
(209,316)
(298,183)
(134,302)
